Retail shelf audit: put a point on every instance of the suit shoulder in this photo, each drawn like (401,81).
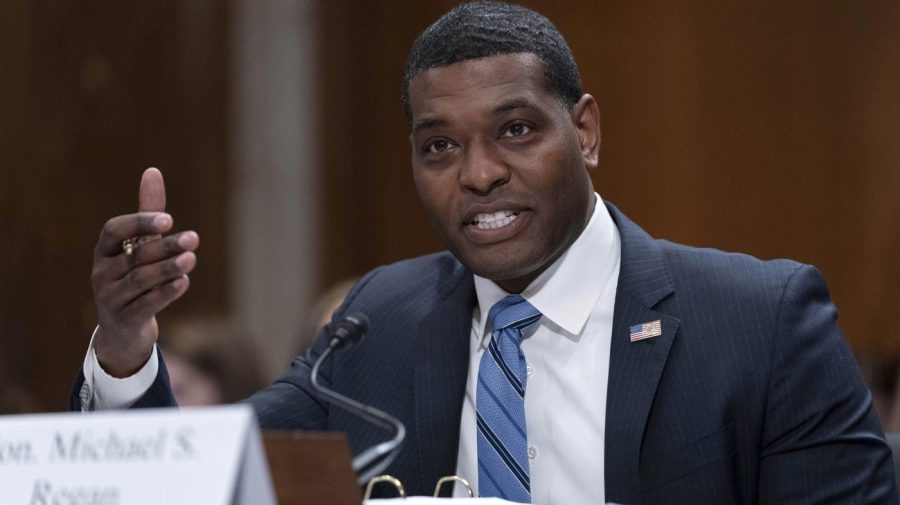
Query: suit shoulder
(428,269)
(756,303)
(417,277)
(726,271)
(435,264)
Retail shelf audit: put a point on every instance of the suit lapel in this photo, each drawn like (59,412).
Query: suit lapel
(635,367)
(442,358)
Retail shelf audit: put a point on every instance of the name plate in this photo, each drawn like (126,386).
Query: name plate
(150,456)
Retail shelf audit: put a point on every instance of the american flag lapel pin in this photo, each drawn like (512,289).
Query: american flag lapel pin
(645,330)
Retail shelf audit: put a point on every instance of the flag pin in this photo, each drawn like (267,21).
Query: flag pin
(645,330)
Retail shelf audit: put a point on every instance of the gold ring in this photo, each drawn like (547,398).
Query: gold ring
(129,245)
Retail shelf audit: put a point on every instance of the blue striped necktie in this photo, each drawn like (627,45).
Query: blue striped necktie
(500,409)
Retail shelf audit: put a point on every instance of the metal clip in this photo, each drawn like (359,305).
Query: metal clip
(452,478)
(385,478)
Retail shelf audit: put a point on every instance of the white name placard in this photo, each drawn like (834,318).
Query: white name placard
(138,457)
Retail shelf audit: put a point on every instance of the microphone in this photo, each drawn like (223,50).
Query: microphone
(349,331)
(346,333)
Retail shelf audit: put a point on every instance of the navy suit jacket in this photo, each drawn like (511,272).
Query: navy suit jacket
(749,395)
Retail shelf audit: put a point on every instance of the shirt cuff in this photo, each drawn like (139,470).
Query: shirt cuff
(102,391)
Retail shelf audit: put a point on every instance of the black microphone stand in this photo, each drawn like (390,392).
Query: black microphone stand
(375,459)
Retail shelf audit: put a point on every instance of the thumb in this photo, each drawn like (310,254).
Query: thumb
(152,194)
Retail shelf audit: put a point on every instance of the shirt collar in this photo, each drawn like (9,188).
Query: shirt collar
(568,290)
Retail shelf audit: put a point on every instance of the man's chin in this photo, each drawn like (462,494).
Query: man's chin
(507,273)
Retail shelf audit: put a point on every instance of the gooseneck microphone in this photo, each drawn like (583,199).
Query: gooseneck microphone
(349,331)
(345,334)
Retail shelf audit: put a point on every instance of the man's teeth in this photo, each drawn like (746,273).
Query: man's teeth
(495,220)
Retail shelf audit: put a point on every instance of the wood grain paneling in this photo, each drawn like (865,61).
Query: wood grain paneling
(92,93)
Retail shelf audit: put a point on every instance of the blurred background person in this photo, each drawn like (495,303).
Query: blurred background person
(321,310)
(15,400)
(209,362)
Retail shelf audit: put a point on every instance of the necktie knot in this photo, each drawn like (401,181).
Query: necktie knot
(513,312)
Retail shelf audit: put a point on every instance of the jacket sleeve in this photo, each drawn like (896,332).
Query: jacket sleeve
(159,394)
(821,441)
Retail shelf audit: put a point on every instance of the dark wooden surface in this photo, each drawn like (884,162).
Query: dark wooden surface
(311,468)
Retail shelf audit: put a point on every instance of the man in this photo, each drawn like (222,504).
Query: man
(557,354)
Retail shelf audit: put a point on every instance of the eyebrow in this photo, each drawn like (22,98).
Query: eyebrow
(515,103)
(428,123)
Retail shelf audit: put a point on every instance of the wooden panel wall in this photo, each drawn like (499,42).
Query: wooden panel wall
(765,127)
(91,93)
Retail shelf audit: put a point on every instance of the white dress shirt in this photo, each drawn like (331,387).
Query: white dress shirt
(106,392)
(567,353)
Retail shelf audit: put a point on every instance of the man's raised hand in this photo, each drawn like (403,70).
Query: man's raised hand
(129,290)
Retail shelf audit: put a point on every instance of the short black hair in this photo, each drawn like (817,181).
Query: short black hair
(481,29)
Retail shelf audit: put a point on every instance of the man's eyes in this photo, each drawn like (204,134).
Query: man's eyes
(516,130)
(437,146)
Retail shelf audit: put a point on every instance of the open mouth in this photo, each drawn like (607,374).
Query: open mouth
(494,220)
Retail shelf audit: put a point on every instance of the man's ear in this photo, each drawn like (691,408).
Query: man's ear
(586,118)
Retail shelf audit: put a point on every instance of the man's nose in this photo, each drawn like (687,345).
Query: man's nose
(483,170)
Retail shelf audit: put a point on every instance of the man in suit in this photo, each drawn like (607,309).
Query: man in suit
(557,354)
